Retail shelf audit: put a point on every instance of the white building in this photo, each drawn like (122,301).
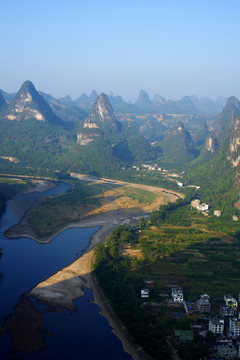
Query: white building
(145,293)
(203,305)
(177,294)
(216,326)
(234,326)
(203,207)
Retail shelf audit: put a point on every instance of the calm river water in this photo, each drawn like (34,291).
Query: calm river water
(84,334)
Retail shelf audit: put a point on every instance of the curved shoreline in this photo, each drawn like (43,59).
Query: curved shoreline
(67,284)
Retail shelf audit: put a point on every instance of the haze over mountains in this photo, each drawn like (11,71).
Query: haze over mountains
(42,132)
(188,104)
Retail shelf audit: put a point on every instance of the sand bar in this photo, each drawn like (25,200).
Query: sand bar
(67,284)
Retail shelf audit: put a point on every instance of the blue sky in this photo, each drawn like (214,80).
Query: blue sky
(173,48)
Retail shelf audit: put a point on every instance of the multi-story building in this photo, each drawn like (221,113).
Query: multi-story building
(177,294)
(216,326)
(145,293)
(234,326)
(203,305)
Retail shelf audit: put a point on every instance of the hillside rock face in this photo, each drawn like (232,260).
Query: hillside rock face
(227,128)
(201,135)
(234,146)
(226,119)
(228,132)
(210,144)
(100,122)
(3,103)
(29,104)
(178,145)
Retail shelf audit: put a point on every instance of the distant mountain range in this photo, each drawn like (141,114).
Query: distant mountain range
(45,135)
(183,137)
(34,134)
(158,104)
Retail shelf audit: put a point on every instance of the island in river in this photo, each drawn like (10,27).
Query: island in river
(66,285)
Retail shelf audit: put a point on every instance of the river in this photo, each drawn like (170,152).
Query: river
(82,334)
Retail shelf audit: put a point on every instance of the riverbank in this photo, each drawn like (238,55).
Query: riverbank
(66,285)
(63,287)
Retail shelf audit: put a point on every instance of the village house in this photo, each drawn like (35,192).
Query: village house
(234,326)
(145,293)
(197,205)
(203,305)
(203,207)
(231,302)
(216,326)
(177,294)
(217,213)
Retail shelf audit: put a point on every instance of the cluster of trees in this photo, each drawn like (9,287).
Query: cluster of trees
(158,216)
(217,180)
(112,272)
(44,146)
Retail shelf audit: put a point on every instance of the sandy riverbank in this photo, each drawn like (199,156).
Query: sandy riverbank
(67,284)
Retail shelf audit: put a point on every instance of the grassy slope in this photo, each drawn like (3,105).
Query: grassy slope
(200,254)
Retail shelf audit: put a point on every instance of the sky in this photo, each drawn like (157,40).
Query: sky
(172,48)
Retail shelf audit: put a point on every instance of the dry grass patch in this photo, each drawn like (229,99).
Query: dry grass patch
(131,253)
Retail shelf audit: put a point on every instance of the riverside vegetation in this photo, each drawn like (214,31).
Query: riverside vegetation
(177,246)
(84,199)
